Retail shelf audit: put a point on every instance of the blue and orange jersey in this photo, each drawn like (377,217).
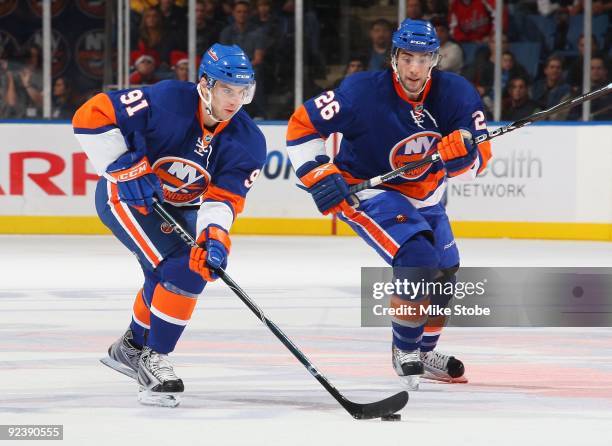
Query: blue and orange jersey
(382,130)
(197,167)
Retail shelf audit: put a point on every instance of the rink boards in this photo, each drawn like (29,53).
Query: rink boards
(545,181)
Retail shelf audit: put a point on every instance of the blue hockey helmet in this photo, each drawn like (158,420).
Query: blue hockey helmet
(227,63)
(417,36)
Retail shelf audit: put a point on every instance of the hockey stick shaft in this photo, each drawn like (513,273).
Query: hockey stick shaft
(375,181)
(356,410)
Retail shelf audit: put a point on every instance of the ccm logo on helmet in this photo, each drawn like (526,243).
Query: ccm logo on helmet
(417,42)
(243,76)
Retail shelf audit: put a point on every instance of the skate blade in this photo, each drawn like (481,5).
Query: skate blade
(118,367)
(411,382)
(148,398)
(445,379)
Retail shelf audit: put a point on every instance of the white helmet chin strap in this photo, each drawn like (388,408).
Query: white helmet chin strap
(207,100)
(436,60)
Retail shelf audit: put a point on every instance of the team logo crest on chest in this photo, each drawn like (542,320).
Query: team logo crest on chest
(414,148)
(183,181)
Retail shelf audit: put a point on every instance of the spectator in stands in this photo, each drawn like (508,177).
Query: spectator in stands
(518,104)
(574,72)
(28,84)
(472,20)
(380,36)
(267,24)
(481,72)
(145,64)
(601,109)
(62,104)
(451,53)
(414,9)
(244,34)
(173,16)
(179,61)
(208,28)
(552,89)
(436,10)
(354,65)
(152,36)
(511,69)
(8,94)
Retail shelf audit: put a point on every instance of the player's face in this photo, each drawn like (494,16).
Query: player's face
(227,99)
(413,69)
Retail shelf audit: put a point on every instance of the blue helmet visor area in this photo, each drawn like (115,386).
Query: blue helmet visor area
(226,90)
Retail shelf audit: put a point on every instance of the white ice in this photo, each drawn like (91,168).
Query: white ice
(63,300)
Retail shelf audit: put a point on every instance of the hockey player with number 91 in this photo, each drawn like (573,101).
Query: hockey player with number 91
(194,148)
(388,119)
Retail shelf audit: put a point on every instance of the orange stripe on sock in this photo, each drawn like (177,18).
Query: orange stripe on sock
(172,304)
(412,309)
(435,323)
(141,311)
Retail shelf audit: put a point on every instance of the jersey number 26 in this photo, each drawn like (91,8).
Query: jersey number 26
(327,105)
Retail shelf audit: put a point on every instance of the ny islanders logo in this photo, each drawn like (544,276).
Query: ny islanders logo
(411,149)
(184,182)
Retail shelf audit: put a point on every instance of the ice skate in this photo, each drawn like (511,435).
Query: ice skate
(159,385)
(408,366)
(123,355)
(440,367)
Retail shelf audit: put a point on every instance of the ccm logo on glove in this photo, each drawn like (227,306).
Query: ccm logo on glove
(139,169)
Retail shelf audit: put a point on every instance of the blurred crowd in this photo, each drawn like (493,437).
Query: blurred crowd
(542,54)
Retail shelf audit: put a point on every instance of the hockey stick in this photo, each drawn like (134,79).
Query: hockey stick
(375,181)
(359,411)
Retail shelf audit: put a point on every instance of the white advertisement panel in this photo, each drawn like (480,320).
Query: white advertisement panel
(531,177)
(544,173)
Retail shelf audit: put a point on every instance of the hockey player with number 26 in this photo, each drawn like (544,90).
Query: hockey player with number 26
(388,119)
(192,147)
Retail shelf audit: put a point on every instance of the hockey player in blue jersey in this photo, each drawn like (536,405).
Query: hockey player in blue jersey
(388,119)
(194,148)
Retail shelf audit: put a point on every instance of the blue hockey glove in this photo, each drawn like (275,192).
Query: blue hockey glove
(324,182)
(137,185)
(211,253)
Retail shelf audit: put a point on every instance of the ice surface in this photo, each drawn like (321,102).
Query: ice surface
(63,300)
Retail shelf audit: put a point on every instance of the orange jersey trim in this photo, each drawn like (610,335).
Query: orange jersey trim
(418,190)
(125,220)
(95,113)
(384,241)
(218,128)
(402,93)
(172,304)
(300,125)
(218,194)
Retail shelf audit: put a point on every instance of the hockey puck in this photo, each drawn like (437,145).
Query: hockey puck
(392,417)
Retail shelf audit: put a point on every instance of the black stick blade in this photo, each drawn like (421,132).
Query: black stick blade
(378,409)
